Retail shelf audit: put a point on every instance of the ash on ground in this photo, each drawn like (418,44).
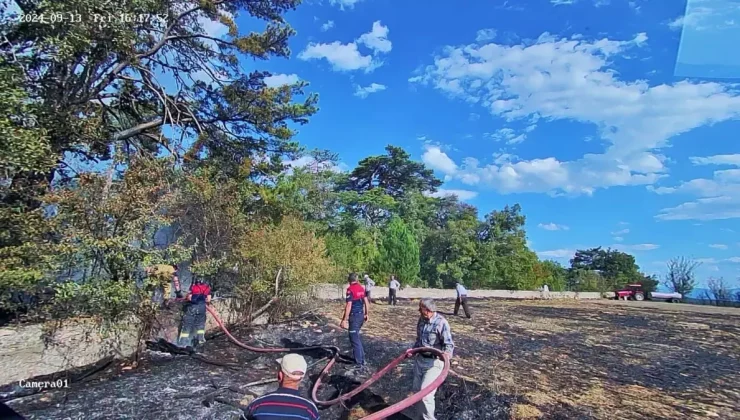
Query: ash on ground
(167,386)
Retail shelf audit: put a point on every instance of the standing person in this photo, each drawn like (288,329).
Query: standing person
(432,330)
(369,284)
(393,287)
(165,276)
(355,315)
(194,319)
(545,291)
(286,402)
(462,299)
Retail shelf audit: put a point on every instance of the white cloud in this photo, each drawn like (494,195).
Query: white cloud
(718,246)
(552,226)
(485,35)
(509,135)
(572,79)
(718,197)
(557,253)
(618,238)
(328,25)
(621,232)
(363,92)
(436,159)
(214,28)
(732,160)
(305,161)
(473,116)
(377,39)
(342,57)
(562,2)
(347,57)
(707,15)
(706,260)
(462,195)
(281,79)
(734,260)
(349,4)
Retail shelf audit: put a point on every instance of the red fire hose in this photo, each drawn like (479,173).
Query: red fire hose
(386,412)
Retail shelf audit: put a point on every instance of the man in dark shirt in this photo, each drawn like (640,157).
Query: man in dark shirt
(285,403)
(355,314)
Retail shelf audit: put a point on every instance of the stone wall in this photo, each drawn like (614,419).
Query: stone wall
(331,291)
(26,352)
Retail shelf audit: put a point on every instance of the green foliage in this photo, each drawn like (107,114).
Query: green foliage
(554,275)
(649,283)
(615,268)
(394,173)
(398,253)
(354,253)
(290,246)
(584,280)
(450,248)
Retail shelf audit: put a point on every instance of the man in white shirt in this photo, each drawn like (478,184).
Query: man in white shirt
(369,284)
(462,299)
(393,287)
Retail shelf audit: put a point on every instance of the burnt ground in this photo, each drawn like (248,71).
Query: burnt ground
(513,359)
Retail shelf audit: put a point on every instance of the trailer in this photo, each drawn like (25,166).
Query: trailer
(672,297)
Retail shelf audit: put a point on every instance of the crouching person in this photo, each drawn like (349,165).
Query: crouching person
(194,320)
(286,402)
(432,330)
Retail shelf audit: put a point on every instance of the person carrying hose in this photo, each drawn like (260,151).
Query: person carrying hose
(432,330)
(194,319)
(355,315)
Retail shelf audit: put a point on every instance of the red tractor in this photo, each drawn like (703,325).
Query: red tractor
(631,292)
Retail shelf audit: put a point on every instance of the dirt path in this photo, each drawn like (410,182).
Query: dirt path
(513,359)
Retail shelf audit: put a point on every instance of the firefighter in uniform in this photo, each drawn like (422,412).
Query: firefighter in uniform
(356,314)
(194,320)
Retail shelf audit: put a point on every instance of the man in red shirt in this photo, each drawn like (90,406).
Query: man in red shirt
(355,314)
(194,319)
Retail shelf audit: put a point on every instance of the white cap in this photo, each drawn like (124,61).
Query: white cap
(293,366)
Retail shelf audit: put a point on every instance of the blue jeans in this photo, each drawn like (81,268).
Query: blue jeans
(355,323)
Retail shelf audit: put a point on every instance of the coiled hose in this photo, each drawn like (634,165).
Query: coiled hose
(386,412)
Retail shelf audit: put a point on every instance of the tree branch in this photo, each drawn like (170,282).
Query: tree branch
(274,299)
(138,129)
(158,46)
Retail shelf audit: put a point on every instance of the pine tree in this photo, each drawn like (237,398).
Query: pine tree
(398,253)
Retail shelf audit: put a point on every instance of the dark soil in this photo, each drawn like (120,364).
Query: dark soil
(552,360)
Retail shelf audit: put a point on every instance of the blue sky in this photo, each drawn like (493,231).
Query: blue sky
(612,122)
(580,111)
